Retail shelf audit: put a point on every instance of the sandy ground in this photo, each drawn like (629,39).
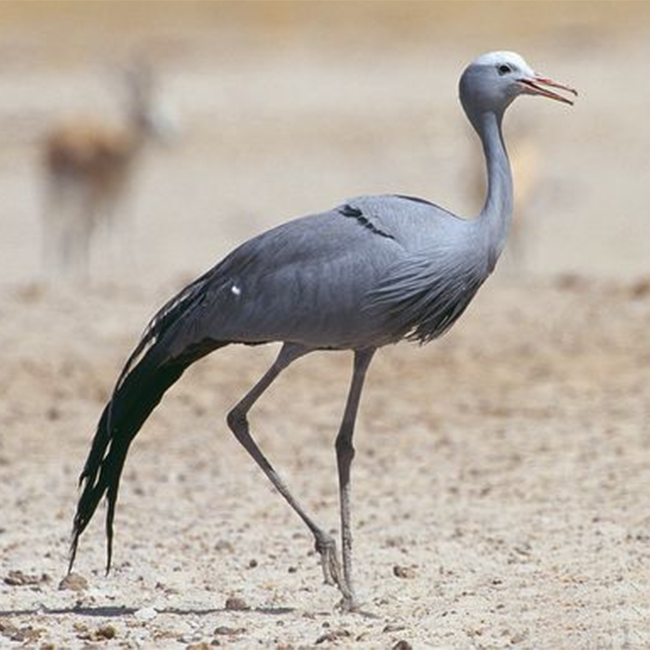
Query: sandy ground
(504,469)
(501,480)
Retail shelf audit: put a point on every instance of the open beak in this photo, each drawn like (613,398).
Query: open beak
(536,86)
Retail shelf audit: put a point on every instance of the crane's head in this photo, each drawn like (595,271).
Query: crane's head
(492,81)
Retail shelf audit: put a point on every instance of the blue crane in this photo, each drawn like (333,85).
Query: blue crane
(373,271)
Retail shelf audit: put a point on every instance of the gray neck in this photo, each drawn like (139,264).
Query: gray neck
(494,219)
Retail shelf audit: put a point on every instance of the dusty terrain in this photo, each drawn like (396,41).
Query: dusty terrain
(501,483)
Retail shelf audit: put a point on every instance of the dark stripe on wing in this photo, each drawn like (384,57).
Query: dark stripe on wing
(348,210)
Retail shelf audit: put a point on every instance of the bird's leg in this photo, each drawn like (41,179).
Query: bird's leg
(344,456)
(325,544)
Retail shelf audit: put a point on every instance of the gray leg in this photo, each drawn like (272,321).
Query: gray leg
(238,423)
(344,456)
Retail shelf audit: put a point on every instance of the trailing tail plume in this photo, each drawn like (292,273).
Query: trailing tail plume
(148,373)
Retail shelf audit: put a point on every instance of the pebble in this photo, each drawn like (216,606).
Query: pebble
(223,545)
(640,289)
(73,582)
(105,632)
(402,645)
(227,631)
(26,634)
(406,572)
(236,603)
(146,614)
(17,578)
(333,636)
(393,627)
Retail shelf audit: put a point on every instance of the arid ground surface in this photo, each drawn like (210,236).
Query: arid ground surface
(500,488)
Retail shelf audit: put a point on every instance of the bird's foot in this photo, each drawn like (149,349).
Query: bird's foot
(332,573)
(348,604)
(353,606)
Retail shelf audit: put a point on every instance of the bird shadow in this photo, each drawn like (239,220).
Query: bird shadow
(108,611)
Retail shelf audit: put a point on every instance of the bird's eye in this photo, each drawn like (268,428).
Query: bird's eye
(504,69)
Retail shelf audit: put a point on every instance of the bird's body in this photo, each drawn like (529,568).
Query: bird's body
(287,285)
(370,272)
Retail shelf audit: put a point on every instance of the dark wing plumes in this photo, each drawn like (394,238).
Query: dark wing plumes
(150,370)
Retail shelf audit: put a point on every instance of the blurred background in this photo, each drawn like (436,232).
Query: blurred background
(508,462)
(270,110)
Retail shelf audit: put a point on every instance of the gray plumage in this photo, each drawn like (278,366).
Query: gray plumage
(373,271)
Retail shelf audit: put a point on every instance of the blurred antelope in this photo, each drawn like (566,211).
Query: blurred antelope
(89,166)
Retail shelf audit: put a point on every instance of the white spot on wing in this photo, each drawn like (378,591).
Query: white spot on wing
(235,290)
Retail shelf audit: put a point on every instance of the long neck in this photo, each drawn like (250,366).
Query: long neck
(494,219)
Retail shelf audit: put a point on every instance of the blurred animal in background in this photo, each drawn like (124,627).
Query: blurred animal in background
(89,166)
(525,161)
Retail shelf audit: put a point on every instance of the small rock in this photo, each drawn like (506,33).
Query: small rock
(569,281)
(518,637)
(8,629)
(227,631)
(407,572)
(53,413)
(640,289)
(236,603)
(19,579)
(28,635)
(202,645)
(252,564)
(329,637)
(73,582)
(146,614)
(105,632)
(402,645)
(333,636)
(82,632)
(393,627)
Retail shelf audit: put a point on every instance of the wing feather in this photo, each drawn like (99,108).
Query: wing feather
(422,297)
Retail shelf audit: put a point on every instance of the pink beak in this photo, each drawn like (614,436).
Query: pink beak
(535,86)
